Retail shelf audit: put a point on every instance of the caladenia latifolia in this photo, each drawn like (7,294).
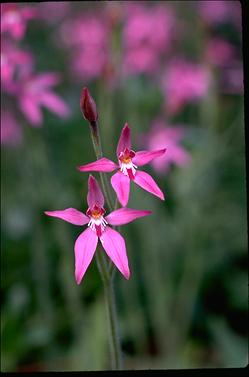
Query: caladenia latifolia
(98,228)
(128,162)
(101,227)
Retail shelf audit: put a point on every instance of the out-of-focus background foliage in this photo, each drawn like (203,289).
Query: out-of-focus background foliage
(160,66)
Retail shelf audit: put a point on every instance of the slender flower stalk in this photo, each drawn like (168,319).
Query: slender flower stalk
(90,113)
(115,347)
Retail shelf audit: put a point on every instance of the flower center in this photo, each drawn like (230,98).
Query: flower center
(97,222)
(125,162)
(96,214)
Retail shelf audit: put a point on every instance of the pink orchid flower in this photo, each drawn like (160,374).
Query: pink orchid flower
(34,91)
(147,36)
(139,60)
(182,83)
(13,63)
(219,11)
(219,52)
(88,45)
(14,19)
(112,242)
(127,168)
(148,25)
(53,12)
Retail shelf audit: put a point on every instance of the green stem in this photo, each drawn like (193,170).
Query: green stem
(105,274)
(114,338)
(101,262)
(105,190)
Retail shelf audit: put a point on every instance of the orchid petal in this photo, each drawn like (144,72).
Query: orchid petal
(84,249)
(71,215)
(18,30)
(124,140)
(121,185)
(144,157)
(55,104)
(145,181)
(125,215)
(94,196)
(31,110)
(102,165)
(114,245)
(46,80)
(179,156)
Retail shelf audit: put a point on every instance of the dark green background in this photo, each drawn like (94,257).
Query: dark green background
(185,305)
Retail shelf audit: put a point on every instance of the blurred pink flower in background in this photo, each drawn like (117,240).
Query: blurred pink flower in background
(147,36)
(13,61)
(34,91)
(18,79)
(215,12)
(219,51)
(88,63)
(141,60)
(183,82)
(14,19)
(227,57)
(88,31)
(232,79)
(166,136)
(87,45)
(53,11)
(11,133)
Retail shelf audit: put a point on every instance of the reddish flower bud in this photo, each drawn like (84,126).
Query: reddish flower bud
(88,106)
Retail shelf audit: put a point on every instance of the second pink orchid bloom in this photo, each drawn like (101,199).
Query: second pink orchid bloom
(112,242)
(128,163)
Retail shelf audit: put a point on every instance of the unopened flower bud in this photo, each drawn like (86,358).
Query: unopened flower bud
(88,106)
